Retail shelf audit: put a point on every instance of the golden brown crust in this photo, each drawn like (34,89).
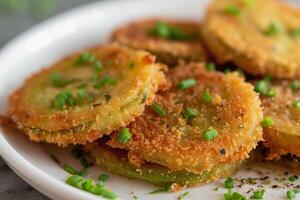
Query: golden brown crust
(31,106)
(135,35)
(242,39)
(172,142)
(283,137)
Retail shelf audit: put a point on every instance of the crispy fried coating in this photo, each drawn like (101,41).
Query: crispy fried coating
(138,35)
(114,95)
(179,144)
(260,38)
(115,161)
(283,137)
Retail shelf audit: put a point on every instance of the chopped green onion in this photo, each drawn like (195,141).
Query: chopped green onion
(62,99)
(167,188)
(84,163)
(234,196)
(88,184)
(295,85)
(261,87)
(206,97)
(271,92)
(81,93)
(166,31)
(103,177)
(232,10)
(106,80)
(83,172)
(189,114)
(75,181)
(158,109)
(57,81)
(211,67)
(100,190)
(259,194)
(229,183)
(293,178)
(295,32)
(267,122)
(185,84)
(267,78)
(273,29)
(182,196)
(296,104)
(86,57)
(124,136)
(70,169)
(291,194)
(98,66)
(210,134)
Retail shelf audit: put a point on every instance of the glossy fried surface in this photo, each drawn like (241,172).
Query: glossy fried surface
(136,77)
(178,144)
(283,137)
(136,35)
(260,38)
(116,161)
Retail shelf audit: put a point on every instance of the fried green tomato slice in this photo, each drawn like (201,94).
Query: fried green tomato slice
(170,41)
(116,161)
(86,95)
(260,37)
(215,120)
(282,133)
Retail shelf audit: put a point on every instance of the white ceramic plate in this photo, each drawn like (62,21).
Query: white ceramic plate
(50,41)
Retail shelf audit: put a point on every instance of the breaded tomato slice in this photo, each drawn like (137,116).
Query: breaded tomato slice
(170,41)
(260,37)
(86,95)
(204,120)
(282,119)
(116,161)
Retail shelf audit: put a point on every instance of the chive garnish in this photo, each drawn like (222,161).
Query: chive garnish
(124,136)
(185,84)
(167,188)
(70,169)
(232,10)
(57,81)
(166,31)
(293,178)
(267,122)
(234,196)
(262,88)
(84,162)
(81,93)
(273,29)
(295,85)
(296,104)
(62,99)
(182,196)
(211,67)
(89,186)
(210,134)
(104,81)
(103,177)
(291,194)
(259,194)
(98,66)
(206,97)
(189,114)
(229,183)
(86,57)
(158,109)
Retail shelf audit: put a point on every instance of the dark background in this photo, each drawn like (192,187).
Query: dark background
(17,16)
